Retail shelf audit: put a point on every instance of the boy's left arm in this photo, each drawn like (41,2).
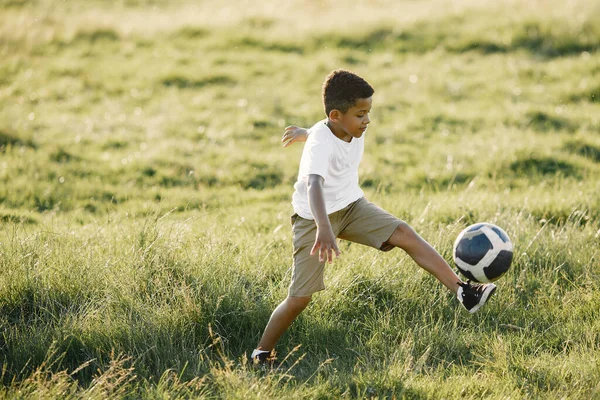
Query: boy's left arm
(294,134)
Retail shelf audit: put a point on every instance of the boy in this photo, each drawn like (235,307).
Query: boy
(328,203)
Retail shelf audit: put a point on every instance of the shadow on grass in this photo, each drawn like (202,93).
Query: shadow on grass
(536,37)
(269,46)
(583,149)
(543,166)
(62,156)
(543,122)
(156,325)
(591,95)
(11,140)
(16,218)
(183,82)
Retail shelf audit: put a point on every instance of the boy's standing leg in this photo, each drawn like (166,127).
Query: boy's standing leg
(307,275)
(306,279)
(281,318)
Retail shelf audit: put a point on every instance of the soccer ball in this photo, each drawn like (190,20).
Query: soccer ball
(483,252)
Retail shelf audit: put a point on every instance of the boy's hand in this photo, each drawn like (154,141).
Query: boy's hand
(294,134)
(325,243)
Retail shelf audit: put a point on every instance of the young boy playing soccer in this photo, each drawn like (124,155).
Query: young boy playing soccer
(329,204)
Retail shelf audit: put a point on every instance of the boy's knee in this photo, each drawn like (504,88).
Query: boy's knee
(402,236)
(298,302)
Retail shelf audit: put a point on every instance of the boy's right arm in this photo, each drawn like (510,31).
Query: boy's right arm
(294,134)
(325,240)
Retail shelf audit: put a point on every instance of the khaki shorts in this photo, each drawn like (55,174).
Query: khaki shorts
(360,222)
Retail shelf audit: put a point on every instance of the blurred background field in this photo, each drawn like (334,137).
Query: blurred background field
(144,196)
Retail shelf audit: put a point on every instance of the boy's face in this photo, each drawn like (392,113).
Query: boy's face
(354,122)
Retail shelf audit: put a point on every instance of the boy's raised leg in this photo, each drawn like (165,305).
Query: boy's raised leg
(408,240)
(471,295)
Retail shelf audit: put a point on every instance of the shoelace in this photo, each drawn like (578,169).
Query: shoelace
(471,288)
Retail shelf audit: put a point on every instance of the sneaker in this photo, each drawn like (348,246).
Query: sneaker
(474,295)
(262,358)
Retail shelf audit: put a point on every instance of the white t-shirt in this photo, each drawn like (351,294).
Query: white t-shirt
(337,162)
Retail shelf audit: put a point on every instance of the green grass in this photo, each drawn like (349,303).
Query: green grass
(144,197)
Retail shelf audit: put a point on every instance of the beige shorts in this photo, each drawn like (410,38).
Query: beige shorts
(360,222)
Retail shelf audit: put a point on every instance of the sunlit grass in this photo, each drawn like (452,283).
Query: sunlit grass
(144,197)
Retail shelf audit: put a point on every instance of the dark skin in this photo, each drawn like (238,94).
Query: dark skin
(347,126)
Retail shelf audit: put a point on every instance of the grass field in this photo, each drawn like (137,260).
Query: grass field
(145,197)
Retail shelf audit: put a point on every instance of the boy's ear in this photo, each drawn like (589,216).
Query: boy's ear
(335,115)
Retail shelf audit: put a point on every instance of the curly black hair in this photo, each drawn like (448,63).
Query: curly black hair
(342,88)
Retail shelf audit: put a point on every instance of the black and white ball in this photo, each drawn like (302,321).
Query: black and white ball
(483,252)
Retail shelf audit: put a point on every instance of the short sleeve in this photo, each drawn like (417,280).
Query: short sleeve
(316,156)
